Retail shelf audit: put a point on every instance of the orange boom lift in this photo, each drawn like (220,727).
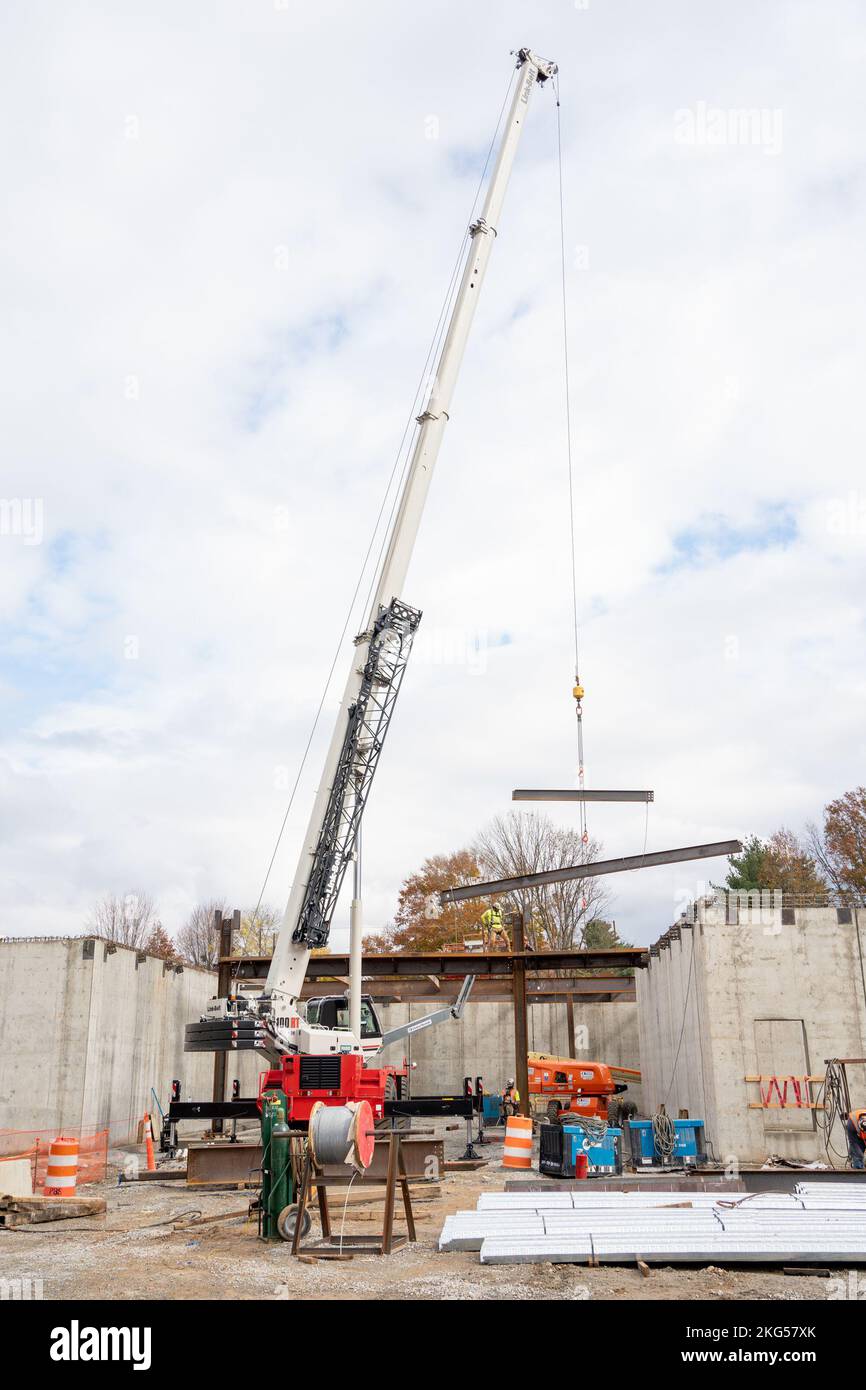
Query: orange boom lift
(575,1090)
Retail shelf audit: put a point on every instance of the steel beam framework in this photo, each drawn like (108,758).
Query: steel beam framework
(495,964)
(586,989)
(538,794)
(591,870)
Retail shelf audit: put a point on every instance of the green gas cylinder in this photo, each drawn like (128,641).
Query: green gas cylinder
(277,1181)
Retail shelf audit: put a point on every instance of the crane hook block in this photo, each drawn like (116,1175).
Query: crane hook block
(578,692)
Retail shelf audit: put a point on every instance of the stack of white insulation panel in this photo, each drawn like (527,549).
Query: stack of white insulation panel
(818,1223)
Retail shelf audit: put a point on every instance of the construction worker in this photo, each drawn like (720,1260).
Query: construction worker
(493,929)
(509,1103)
(855,1128)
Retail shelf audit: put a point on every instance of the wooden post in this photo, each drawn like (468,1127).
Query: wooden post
(224,927)
(390,1187)
(519,923)
(403,1179)
(303,1198)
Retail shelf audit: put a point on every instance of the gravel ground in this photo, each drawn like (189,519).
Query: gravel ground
(138,1251)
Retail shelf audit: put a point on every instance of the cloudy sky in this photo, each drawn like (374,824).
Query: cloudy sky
(228,229)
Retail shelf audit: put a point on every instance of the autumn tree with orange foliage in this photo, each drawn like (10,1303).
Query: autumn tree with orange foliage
(413,929)
(841,849)
(787,866)
(159,943)
(778,864)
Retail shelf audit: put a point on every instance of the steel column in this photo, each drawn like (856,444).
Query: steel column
(519,923)
(224,927)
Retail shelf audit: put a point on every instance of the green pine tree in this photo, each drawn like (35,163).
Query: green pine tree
(746,869)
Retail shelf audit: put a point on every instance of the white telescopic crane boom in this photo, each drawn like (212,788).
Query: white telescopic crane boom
(381,650)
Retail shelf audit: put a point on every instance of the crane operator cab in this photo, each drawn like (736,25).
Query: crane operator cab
(332,1011)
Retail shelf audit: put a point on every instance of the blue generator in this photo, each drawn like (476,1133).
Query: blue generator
(689,1149)
(643,1148)
(559,1146)
(490,1110)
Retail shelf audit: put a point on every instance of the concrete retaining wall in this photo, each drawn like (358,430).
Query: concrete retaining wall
(87,1032)
(725,999)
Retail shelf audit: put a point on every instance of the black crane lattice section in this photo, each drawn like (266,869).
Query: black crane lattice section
(368,723)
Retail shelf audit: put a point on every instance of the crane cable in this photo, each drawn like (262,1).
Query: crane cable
(429,360)
(578,688)
(831,1095)
(578,691)
(664,1135)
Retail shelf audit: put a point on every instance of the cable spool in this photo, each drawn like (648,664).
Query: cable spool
(342,1135)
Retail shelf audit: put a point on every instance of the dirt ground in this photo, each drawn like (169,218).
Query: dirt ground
(141,1249)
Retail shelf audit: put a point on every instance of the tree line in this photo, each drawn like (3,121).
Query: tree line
(132,919)
(574,915)
(571,915)
(830,859)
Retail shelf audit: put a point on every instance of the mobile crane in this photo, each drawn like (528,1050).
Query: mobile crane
(313,1058)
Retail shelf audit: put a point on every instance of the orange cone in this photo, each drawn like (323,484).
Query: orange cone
(62,1168)
(518,1142)
(148,1144)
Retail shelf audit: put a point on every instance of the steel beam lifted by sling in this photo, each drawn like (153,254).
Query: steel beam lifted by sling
(534,794)
(592,870)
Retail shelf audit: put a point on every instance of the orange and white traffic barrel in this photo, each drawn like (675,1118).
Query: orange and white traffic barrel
(62,1168)
(518,1142)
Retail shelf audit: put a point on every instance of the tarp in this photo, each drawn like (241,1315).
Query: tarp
(35,1143)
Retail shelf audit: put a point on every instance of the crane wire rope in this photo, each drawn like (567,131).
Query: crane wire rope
(432,352)
(831,1095)
(584,832)
(578,688)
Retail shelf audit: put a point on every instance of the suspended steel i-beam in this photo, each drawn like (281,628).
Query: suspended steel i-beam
(594,870)
(536,794)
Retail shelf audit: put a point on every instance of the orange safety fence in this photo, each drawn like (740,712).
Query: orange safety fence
(35,1143)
